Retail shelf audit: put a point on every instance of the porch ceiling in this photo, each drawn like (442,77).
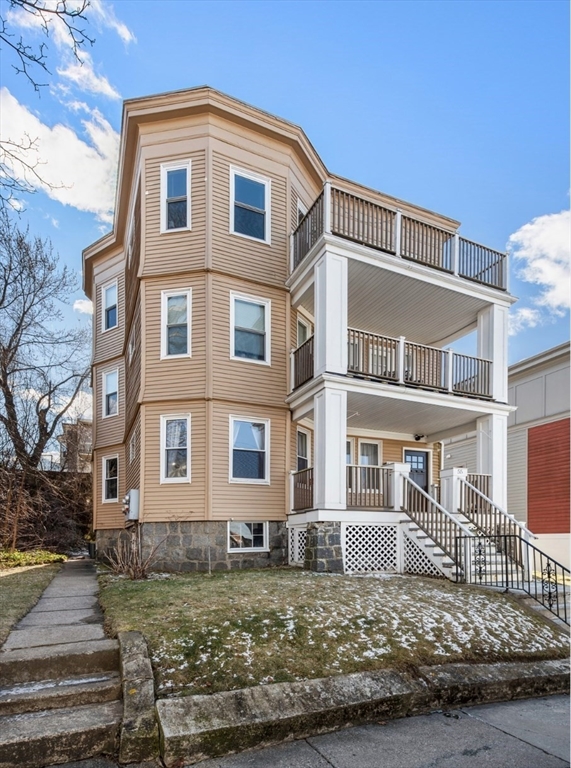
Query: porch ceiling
(407,417)
(392,304)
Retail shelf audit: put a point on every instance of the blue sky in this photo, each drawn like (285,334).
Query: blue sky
(458,106)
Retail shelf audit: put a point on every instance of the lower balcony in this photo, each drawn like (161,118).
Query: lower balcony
(401,361)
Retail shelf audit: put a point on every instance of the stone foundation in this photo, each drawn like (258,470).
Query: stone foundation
(198,546)
(323,548)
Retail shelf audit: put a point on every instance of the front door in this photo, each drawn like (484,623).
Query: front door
(418,461)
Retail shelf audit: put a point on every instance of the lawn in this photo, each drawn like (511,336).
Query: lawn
(233,630)
(20,590)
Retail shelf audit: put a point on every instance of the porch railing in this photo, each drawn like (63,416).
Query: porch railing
(302,489)
(510,562)
(431,517)
(303,363)
(391,359)
(352,217)
(368,487)
(482,482)
(487,517)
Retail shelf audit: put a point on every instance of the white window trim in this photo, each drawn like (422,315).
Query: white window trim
(306,432)
(104,391)
(131,347)
(301,320)
(351,441)
(164,346)
(378,443)
(175,165)
(104,288)
(249,480)
(133,447)
(234,171)
(104,477)
(175,480)
(301,208)
(238,550)
(268,318)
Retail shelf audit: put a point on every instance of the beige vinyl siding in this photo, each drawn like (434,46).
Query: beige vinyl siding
(240,256)
(133,468)
(175,251)
(108,514)
(244,501)
(180,378)
(243,380)
(133,368)
(517,473)
(109,343)
(174,501)
(109,430)
(132,263)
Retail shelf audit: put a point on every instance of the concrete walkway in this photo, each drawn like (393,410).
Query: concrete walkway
(60,686)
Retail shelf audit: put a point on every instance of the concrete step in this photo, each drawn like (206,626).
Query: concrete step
(52,694)
(56,662)
(38,739)
(38,636)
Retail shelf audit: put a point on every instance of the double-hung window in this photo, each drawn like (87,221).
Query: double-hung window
(249,205)
(175,323)
(175,196)
(249,450)
(110,478)
(111,393)
(247,536)
(250,331)
(110,306)
(175,448)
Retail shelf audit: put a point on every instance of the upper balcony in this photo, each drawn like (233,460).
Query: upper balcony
(342,214)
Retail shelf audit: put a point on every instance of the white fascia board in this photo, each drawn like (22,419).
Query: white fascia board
(353,516)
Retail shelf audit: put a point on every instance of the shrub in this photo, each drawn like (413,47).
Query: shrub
(16,558)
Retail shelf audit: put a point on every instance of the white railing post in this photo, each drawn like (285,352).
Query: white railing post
(397,472)
(327,207)
(456,253)
(398,232)
(450,370)
(451,488)
(291,265)
(292,370)
(400,361)
(506,273)
(291,495)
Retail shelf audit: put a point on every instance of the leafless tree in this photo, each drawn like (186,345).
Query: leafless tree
(20,163)
(43,363)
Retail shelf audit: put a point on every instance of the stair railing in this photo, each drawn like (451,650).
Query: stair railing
(431,517)
(488,517)
(511,562)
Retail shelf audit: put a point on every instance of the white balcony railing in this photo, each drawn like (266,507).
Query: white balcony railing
(351,217)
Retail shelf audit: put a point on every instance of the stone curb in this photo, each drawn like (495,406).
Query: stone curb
(194,728)
(139,739)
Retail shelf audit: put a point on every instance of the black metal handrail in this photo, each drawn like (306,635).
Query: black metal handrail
(511,562)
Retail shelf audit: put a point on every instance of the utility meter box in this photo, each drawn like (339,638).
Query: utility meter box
(131,504)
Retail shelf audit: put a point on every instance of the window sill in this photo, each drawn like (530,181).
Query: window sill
(267,363)
(248,481)
(240,550)
(110,501)
(175,481)
(177,229)
(263,241)
(112,328)
(176,357)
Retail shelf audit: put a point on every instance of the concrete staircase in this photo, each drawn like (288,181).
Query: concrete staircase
(60,686)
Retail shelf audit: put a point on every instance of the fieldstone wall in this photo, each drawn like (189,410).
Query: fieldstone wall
(323,548)
(199,546)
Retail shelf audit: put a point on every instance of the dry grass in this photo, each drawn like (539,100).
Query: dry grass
(20,590)
(231,630)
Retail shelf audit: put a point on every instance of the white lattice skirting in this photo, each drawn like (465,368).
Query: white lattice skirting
(369,548)
(297,536)
(416,561)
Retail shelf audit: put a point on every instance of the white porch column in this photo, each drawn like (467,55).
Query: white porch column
(492,454)
(493,345)
(450,488)
(398,471)
(330,286)
(330,472)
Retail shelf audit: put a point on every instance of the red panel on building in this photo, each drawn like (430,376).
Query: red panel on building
(548,477)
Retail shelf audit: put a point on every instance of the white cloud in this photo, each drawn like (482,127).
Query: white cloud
(521,318)
(105,13)
(81,408)
(541,253)
(83,75)
(83,306)
(81,172)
